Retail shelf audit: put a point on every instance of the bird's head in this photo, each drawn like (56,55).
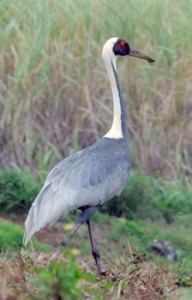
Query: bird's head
(115,47)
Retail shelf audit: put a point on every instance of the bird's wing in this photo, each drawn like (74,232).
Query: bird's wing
(88,169)
(89,177)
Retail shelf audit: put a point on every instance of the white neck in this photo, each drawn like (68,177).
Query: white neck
(116,128)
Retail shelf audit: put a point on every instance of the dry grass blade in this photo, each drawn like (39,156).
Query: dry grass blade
(51,66)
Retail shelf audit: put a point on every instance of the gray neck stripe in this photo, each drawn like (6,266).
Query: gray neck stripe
(123,112)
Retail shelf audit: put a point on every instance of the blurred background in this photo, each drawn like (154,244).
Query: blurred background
(55,95)
(55,98)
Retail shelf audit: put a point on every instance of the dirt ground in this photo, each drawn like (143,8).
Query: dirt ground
(140,281)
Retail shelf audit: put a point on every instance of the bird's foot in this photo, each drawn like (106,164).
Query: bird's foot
(104,273)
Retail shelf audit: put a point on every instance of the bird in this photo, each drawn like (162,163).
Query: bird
(93,175)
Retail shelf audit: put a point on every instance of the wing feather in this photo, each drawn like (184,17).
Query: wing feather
(89,177)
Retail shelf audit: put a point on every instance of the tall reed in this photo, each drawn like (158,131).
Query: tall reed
(55,96)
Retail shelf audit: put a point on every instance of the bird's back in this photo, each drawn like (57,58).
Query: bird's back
(89,177)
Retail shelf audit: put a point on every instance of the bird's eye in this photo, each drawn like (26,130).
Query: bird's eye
(121,47)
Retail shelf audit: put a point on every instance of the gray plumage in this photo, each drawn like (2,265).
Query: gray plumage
(93,175)
(89,177)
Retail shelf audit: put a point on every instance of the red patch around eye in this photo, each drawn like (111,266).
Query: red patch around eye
(122,44)
(121,48)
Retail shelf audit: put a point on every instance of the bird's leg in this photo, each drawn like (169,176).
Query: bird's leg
(87,212)
(65,241)
(95,252)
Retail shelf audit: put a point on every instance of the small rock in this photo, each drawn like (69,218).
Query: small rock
(164,248)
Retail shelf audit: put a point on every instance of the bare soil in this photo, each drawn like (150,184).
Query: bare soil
(130,275)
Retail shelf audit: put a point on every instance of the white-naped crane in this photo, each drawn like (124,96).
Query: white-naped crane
(93,175)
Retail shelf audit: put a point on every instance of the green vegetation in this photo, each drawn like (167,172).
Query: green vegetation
(62,281)
(147,197)
(38,275)
(55,98)
(147,207)
(18,190)
(141,207)
(11,238)
(125,239)
(144,202)
(143,197)
(141,234)
(55,92)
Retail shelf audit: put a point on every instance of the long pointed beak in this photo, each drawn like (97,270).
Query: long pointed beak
(138,54)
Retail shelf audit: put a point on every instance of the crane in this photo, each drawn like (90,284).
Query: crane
(93,175)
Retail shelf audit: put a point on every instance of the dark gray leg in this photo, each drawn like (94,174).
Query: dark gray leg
(87,212)
(95,252)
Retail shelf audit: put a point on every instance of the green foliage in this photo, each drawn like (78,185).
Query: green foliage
(140,235)
(184,273)
(18,190)
(62,280)
(101,218)
(147,197)
(136,194)
(171,198)
(11,236)
(52,77)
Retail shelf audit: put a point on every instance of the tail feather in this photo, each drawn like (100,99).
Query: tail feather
(44,211)
(29,228)
(36,218)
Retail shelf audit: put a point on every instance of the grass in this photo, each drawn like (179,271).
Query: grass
(55,99)
(62,280)
(152,198)
(143,197)
(54,86)
(28,277)
(125,244)
(11,238)
(130,273)
(18,189)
